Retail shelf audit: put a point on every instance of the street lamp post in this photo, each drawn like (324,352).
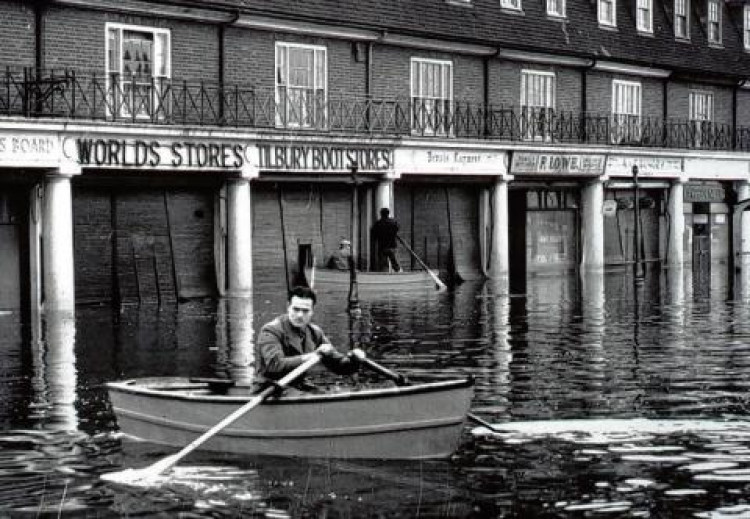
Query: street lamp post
(353,287)
(638,265)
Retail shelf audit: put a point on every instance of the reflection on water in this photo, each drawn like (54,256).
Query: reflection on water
(611,398)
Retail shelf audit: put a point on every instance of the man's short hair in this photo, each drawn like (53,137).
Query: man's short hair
(384,212)
(303,293)
(345,242)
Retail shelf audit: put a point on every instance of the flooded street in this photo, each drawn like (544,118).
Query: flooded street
(609,399)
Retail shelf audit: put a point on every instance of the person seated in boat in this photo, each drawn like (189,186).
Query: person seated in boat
(291,339)
(341,257)
(384,232)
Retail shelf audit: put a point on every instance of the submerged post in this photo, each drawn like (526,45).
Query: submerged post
(638,265)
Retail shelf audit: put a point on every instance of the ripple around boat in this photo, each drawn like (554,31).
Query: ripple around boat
(414,281)
(420,421)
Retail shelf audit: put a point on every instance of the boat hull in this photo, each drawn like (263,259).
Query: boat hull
(330,280)
(416,422)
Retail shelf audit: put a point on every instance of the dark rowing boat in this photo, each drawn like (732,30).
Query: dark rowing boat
(419,421)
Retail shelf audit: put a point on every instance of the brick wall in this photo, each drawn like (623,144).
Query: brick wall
(678,99)
(505,81)
(599,93)
(76,38)
(17,30)
(391,73)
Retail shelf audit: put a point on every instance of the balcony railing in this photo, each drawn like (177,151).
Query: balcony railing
(86,96)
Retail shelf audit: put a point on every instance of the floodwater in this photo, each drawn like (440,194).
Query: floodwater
(610,399)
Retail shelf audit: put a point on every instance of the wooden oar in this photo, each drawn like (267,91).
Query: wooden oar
(400,380)
(136,475)
(438,283)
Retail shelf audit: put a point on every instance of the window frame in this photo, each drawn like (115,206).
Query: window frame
(701,126)
(285,118)
(685,14)
(119,106)
(556,14)
(618,136)
(646,6)
(542,119)
(746,26)
(711,22)
(513,5)
(599,12)
(446,97)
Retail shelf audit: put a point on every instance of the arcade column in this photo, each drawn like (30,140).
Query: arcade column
(57,249)
(384,196)
(239,238)
(499,264)
(592,226)
(675,251)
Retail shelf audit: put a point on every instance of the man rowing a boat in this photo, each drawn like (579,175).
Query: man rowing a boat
(291,339)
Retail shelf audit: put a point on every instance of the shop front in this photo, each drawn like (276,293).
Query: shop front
(308,196)
(638,187)
(147,215)
(442,205)
(545,210)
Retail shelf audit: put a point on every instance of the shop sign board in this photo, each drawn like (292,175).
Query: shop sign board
(324,158)
(568,164)
(450,161)
(701,193)
(651,166)
(161,154)
(719,169)
(29,149)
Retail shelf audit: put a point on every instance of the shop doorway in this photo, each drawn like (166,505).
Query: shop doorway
(701,242)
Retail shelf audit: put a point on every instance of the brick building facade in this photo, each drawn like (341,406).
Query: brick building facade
(174,149)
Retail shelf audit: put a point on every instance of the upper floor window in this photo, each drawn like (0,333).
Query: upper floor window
(537,104)
(645,16)
(301,81)
(607,14)
(511,4)
(701,116)
(431,95)
(681,19)
(714,21)
(138,66)
(556,8)
(746,26)
(626,111)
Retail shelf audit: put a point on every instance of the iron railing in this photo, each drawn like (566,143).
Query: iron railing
(89,96)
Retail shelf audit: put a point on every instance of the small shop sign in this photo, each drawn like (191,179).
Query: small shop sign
(320,158)
(568,164)
(450,161)
(29,149)
(622,166)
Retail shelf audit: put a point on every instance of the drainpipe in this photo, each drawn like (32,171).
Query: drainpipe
(486,100)
(735,89)
(222,58)
(39,9)
(584,103)
(664,109)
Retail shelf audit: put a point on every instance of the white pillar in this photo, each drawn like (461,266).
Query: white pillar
(384,196)
(675,252)
(239,238)
(499,260)
(743,193)
(592,226)
(58,276)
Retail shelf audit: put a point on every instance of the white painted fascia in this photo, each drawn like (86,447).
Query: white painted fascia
(439,45)
(541,58)
(312,29)
(632,70)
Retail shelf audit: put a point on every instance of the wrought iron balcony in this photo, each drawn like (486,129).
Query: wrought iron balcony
(88,96)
